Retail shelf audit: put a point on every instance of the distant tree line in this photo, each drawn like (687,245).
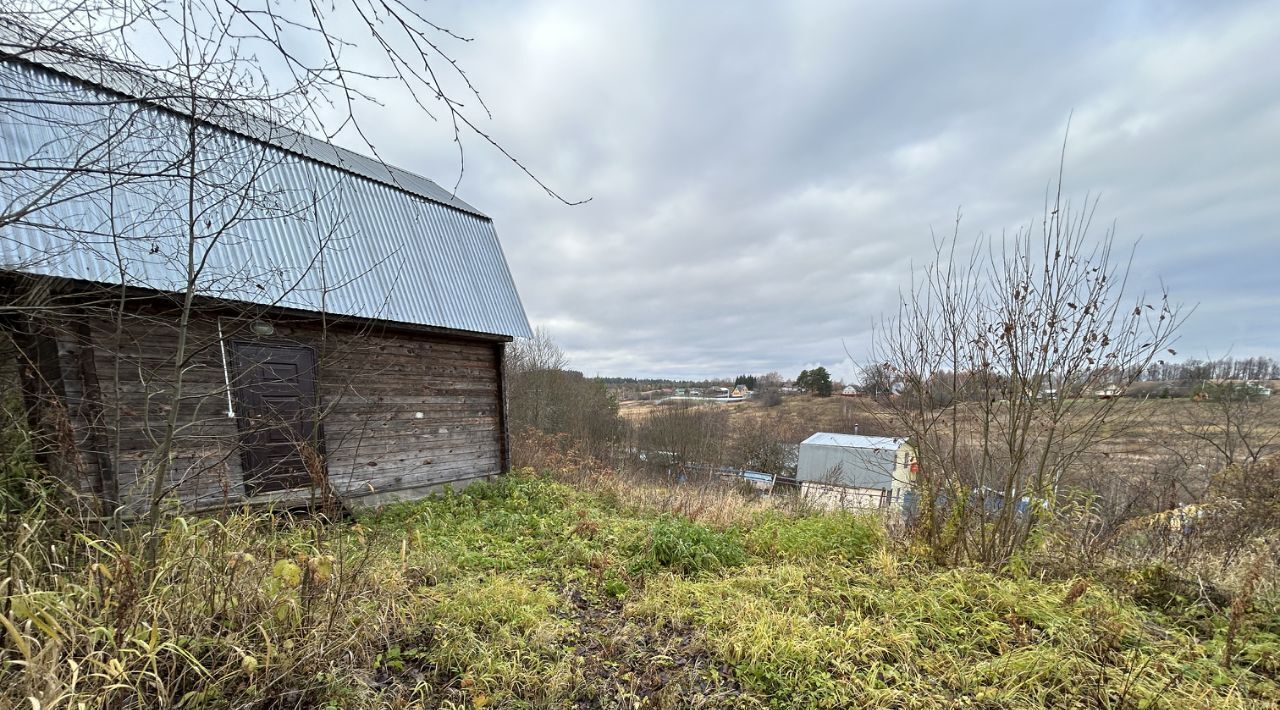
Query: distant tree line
(1227,368)
(555,412)
(1159,379)
(644,383)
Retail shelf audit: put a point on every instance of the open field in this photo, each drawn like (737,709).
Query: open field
(835,414)
(1140,431)
(529,592)
(821,413)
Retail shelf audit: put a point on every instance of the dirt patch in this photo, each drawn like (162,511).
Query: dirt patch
(618,663)
(626,664)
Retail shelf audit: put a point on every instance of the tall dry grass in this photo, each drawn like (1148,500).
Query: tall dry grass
(702,498)
(249,608)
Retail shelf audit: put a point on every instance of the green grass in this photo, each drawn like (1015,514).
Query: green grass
(775,611)
(529,593)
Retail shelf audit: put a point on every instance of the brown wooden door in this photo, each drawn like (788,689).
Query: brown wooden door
(276,389)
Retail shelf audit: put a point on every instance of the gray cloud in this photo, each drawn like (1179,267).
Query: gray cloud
(763,180)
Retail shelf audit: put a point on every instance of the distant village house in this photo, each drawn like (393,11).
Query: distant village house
(1108,392)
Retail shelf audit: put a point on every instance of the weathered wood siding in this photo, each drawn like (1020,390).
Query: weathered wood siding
(403,412)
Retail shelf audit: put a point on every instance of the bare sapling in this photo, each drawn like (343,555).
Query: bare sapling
(999,352)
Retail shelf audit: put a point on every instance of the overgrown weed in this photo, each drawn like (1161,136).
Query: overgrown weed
(685,547)
(235,608)
(527,591)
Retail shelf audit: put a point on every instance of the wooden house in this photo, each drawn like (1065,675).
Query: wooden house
(213,310)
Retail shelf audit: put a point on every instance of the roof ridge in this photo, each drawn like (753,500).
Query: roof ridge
(820,437)
(266,131)
(396,257)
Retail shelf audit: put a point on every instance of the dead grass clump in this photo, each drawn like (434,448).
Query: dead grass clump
(237,609)
(699,497)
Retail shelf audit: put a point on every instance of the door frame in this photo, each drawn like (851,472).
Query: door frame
(240,369)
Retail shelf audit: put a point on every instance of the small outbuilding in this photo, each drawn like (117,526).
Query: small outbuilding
(1108,392)
(217,310)
(853,471)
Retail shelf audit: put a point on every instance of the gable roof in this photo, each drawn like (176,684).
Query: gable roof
(289,220)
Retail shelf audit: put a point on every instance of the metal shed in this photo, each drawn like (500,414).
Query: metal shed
(874,468)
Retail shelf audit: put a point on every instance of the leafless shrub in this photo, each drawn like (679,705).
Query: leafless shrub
(758,444)
(679,435)
(546,397)
(1226,424)
(1241,601)
(769,395)
(994,351)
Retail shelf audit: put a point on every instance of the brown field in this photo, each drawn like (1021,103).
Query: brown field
(843,415)
(837,414)
(1138,433)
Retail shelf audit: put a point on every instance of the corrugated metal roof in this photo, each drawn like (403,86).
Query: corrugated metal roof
(361,165)
(21,43)
(848,460)
(293,222)
(853,441)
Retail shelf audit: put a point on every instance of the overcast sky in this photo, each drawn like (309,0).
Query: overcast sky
(762,176)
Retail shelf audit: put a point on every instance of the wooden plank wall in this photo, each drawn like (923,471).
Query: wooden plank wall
(402,411)
(405,413)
